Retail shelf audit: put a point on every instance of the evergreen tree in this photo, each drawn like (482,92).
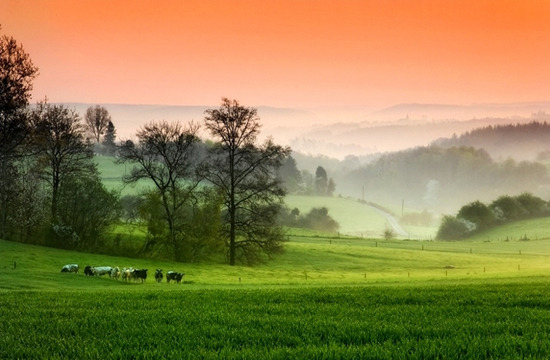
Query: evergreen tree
(109,140)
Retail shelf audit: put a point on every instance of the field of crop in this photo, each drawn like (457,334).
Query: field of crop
(472,321)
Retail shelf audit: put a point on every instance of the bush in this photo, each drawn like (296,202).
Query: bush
(478,213)
(453,228)
(316,219)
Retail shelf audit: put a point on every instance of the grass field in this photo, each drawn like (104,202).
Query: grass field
(353,217)
(325,298)
(111,176)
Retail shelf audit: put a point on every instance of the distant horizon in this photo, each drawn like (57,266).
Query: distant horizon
(511,103)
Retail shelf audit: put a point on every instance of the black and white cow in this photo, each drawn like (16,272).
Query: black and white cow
(88,270)
(172,275)
(70,268)
(158,275)
(102,270)
(140,274)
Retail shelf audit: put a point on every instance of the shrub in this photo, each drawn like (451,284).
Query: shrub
(477,213)
(453,228)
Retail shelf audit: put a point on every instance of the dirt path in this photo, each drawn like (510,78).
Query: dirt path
(399,231)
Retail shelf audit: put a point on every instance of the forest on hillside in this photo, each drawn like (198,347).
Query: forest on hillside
(528,141)
(442,179)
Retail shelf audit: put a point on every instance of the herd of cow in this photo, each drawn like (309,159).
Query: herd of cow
(126,274)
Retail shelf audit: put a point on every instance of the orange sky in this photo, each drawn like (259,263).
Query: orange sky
(300,53)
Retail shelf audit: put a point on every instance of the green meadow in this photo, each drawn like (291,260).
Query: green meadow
(346,295)
(326,297)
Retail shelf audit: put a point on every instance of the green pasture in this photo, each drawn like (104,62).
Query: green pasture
(354,218)
(532,229)
(325,298)
(310,259)
(111,176)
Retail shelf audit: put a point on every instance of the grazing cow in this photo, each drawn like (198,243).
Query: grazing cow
(172,275)
(140,274)
(158,275)
(102,270)
(70,268)
(127,274)
(88,270)
(115,273)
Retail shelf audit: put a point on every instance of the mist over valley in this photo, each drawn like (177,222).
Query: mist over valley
(338,132)
(400,154)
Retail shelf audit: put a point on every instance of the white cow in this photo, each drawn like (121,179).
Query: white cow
(102,270)
(70,268)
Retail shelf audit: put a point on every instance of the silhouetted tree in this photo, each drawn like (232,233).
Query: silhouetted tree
(17,73)
(97,120)
(247,177)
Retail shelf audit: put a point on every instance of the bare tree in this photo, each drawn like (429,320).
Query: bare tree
(247,176)
(61,147)
(17,73)
(165,155)
(97,120)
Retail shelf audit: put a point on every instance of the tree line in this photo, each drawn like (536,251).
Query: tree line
(221,195)
(520,141)
(477,216)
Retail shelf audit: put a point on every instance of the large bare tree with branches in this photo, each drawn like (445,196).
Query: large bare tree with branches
(165,155)
(247,176)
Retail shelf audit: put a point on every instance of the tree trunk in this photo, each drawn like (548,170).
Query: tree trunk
(232,244)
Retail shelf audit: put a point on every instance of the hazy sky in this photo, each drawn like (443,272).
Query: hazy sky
(299,53)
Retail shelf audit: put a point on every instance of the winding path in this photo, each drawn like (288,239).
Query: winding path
(392,221)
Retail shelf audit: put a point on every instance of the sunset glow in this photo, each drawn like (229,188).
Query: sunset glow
(284,53)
